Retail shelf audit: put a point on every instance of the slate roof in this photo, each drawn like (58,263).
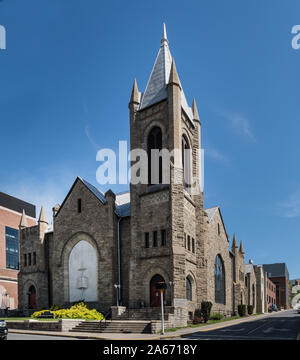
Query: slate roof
(99,194)
(123,204)
(156,89)
(211,212)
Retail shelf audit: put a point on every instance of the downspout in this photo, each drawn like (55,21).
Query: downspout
(119,261)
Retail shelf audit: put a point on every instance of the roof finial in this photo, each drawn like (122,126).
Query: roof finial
(164,39)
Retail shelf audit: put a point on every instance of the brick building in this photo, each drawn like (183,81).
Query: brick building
(271,293)
(130,241)
(11,210)
(279,275)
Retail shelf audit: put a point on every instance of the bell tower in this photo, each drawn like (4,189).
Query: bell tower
(167,223)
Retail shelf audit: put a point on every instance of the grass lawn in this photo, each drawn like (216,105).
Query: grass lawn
(208,323)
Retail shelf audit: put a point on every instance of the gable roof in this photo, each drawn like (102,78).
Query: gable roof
(211,212)
(156,89)
(97,193)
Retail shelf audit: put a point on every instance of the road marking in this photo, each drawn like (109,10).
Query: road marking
(271,329)
(259,327)
(226,330)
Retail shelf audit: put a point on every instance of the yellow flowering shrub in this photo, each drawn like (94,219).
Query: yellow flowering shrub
(77,311)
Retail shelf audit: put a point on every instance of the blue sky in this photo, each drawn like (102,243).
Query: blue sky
(65,83)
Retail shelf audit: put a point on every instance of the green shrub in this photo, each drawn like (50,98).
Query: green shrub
(216,316)
(250,309)
(197,317)
(77,311)
(242,310)
(205,310)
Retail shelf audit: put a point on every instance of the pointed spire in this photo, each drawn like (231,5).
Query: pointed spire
(195,111)
(234,244)
(23,221)
(241,248)
(135,93)
(174,79)
(164,39)
(42,217)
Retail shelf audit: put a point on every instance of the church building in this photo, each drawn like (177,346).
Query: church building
(111,250)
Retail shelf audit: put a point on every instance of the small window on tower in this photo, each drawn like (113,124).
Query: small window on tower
(189,243)
(193,245)
(154,238)
(25,259)
(79,206)
(34,258)
(146,240)
(29,259)
(163,238)
(219,230)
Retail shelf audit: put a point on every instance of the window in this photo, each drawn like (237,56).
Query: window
(29,259)
(12,248)
(193,245)
(219,281)
(154,238)
(34,258)
(25,259)
(154,142)
(219,231)
(163,238)
(146,240)
(79,206)
(188,289)
(186,161)
(189,243)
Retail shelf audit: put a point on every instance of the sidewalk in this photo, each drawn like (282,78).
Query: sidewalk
(169,335)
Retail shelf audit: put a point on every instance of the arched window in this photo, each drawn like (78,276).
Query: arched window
(154,142)
(219,281)
(188,289)
(186,163)
(253,295)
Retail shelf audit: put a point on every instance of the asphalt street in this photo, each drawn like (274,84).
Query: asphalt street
(281,326)
(13,336)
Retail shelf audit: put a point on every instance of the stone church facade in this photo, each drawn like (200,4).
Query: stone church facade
(111,249)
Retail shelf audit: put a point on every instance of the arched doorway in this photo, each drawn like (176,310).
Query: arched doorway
(154,293)
(32,298)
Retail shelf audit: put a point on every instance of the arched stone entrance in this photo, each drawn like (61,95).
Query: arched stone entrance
(155,297)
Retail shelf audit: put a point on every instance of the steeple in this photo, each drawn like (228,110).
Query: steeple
(23,221)
(42,218)
(135,97)
(195,111)
(241,248)
(156,89)
(234,244)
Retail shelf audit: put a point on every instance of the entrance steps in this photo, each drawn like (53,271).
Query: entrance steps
(114,326)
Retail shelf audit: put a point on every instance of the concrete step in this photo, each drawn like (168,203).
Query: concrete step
(114,327)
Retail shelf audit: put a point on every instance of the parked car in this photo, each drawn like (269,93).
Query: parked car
(3,330)
(272,308)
